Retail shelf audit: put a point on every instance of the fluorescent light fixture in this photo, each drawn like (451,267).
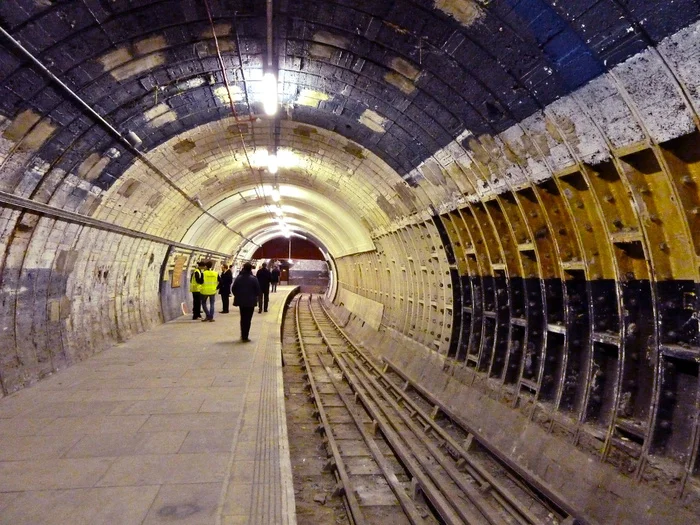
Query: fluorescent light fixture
(272,165)
(269,93)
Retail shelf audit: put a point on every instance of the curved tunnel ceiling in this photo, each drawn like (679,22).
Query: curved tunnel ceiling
(506,187)
(371,92)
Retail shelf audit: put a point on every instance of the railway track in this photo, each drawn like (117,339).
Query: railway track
(396,459)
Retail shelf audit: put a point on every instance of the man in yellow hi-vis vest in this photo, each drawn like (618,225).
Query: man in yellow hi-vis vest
(195,288)
(209,282)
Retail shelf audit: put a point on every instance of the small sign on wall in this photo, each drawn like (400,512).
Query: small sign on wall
(178,268)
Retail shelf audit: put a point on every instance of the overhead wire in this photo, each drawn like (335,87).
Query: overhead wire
(251,118)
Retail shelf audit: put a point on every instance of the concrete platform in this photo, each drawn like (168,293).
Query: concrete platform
(183,424)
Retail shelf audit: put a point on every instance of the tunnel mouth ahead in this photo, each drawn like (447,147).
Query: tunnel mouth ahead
(301,261)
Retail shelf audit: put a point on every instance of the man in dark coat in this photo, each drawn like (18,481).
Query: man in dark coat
(274,278)
(225,282)
(264,278)
(246,291)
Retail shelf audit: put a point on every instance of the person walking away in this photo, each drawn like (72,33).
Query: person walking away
(264,278)
(225,282)
(246,290)
(210,279)
(195,288)
(274,278)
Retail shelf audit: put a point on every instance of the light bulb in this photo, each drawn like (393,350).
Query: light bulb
(272,165)
(269,94)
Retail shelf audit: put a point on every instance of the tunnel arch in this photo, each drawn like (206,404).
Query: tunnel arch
(508,192)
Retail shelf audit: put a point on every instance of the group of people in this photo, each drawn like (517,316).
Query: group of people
(248,291)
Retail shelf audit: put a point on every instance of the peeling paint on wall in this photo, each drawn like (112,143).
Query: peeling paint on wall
(400,82)
(373,121)
(160,115)
(93,166)
(129,187)
(115,58)
(304,131)
(433,172)
(324,37)
(219,29)
(184,146)
(198,166)
(21,125)
(320,51)
(30,129)
(466,12)
(355,151)
(149,45)
(221,92)
(311,98)
(138,66)
(405,68)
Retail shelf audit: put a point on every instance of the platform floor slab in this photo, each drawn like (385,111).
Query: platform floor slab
(184,423)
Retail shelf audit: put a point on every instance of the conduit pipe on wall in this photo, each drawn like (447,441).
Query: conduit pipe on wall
(13,201)
(111,129)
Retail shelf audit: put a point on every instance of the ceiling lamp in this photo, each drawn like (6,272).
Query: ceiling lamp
(272,165)
(269,94)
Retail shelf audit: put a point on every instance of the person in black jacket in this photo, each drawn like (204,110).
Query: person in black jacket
(246,291)
(225,282)
(264,278)
(274,278)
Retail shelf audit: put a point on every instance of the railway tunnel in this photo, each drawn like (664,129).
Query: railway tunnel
(506,193)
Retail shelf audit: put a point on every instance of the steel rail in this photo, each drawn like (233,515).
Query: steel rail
(557,501)
(430,490)
(349,493)
(470,491)
(406,503)
(477,468)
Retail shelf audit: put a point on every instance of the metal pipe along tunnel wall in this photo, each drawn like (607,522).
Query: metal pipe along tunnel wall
(510,193)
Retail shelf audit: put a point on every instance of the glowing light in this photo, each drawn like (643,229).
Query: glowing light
(272,165)
(275,195)
(284,158)
(269,93)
